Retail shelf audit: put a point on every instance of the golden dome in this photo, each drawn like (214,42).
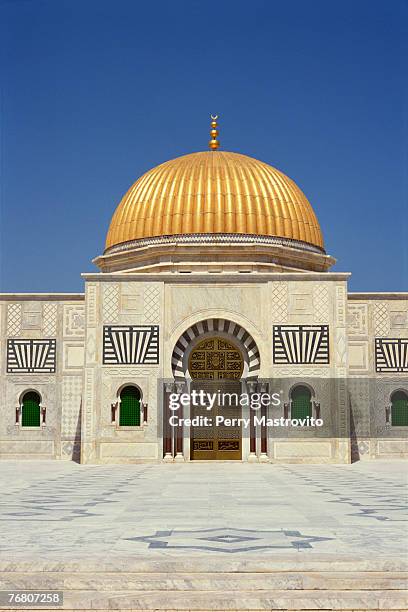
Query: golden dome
(214,192)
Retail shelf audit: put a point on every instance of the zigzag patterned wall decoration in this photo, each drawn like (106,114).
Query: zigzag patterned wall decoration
(301,344)
(31,356)
(130,344)
(391,354)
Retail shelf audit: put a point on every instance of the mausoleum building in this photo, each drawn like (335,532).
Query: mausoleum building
(214,274)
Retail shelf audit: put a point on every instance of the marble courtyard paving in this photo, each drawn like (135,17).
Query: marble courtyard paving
(57,510)
(207,536)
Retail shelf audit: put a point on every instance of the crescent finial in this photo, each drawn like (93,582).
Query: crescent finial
(214,143)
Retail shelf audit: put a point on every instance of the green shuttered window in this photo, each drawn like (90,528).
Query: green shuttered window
(129,412)
(301,403)
(399,409)
(31,410)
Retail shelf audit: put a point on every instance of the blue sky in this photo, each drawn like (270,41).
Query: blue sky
(96,92)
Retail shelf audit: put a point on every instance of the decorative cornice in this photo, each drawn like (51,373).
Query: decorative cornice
(207,278)
(394,295)
(63,297)
(211,239)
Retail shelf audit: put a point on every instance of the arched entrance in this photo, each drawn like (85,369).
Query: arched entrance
(215,366)
(216,327)
(212,355)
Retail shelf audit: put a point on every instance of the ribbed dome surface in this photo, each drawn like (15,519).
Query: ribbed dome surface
(214,192)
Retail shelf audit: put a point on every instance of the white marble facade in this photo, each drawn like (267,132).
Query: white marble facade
(78,396)
(55,318)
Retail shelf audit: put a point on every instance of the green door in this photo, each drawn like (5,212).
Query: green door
(301,404)
(31,410)
(129,413)
(399,409)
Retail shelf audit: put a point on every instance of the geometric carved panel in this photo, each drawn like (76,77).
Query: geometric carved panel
(357,319)
(321,303)
(131,298)
(151,298)
(13,319)
(301,304)
(50,312)
(73,355)
(358,355)
(279,302)
(301,344)
(74,320)
(341,306)
(391,354)
(31,319)
(31,356)
(381,319)
(91,303)
(130,344)
(399,320)
(71,403)
(111,302)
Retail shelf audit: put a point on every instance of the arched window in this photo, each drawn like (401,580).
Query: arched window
(129,411)
(31,410)
(301,405)
(399,409)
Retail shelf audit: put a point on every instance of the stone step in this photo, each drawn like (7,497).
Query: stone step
(198,591)
(204,581)
(190,563)
(334,600)
(291,583)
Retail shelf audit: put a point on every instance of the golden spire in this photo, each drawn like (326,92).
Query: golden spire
(214,143)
